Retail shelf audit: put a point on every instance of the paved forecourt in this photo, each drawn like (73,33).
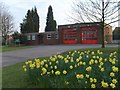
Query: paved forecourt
(12,57)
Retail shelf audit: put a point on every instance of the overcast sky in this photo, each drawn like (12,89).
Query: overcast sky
(19,8)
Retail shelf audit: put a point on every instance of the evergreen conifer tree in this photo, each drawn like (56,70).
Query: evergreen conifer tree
(30,22)
(51,23)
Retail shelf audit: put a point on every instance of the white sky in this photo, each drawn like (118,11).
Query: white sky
(19,8)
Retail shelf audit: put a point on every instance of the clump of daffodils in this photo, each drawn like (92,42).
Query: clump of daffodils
(91,69)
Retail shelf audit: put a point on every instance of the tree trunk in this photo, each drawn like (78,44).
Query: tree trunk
(103,43)
(6,42)
(103,21)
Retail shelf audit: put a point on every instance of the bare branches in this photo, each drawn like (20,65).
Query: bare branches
(6,22)
(91,11)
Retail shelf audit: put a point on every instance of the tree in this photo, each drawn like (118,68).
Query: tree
(18,36)
(103,11)
(51,23)
(6,23)
(30,22)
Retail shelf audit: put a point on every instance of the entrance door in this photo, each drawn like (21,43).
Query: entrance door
(70,36)
(89,36)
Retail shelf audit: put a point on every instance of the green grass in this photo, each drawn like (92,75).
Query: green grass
(14,76)
(7,48)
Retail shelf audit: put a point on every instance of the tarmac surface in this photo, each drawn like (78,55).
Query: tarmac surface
(13,57)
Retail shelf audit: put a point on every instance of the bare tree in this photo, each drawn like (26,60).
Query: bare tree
(103,11)
(6,23)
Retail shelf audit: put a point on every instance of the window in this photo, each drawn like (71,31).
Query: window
(33,37)
(28,37)
(49,36)
(56,35)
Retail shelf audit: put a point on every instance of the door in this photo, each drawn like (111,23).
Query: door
(70,36)
(89,36)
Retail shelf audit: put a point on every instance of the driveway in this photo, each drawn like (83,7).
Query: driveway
(12,57)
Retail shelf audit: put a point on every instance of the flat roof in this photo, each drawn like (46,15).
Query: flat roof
(79,24)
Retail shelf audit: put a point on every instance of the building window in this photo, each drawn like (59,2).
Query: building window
(49,36)
(56,35)
(68,26)
(33,37)
(28,37)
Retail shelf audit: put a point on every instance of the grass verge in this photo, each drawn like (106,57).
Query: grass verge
(7,48)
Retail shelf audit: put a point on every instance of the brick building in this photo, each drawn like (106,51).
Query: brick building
(79,33)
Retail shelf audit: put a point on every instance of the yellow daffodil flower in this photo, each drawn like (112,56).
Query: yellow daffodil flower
(93,86)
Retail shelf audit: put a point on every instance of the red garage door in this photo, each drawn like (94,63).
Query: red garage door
(89,35)
(70,36)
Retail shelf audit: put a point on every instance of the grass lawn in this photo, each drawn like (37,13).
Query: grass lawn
(7,48)
(14,76)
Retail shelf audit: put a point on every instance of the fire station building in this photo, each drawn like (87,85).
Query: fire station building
(78,33)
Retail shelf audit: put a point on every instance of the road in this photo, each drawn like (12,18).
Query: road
(13,57)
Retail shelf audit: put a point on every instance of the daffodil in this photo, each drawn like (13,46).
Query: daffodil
(37,65)
(91,80)
(79,76)
(80,57)
(104,84)
(30,62)
(91,61)
(77,60)
(26,63)
(105,59)
(112,85)
(87,56)
(94,56)
(75,65)
(102,69)
(88,68)
(24,66)
(87,76)
(112,74)
(25,69)
(57,62)
(93,86)
(93,53)
(80,62)
(71,67)
(71,60)
(46,65)
(50,63)
(94,80)
(57,73)
(55,67)
(84,63)
(48,73)
(97,57)
(44,70)
(52,72)
(32,66)
(51,67)
(66,61)
(42,62)
(115,69)
(64,72)
(100,59)
(114,81)
(101,63)
(66,82)
(96,61)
